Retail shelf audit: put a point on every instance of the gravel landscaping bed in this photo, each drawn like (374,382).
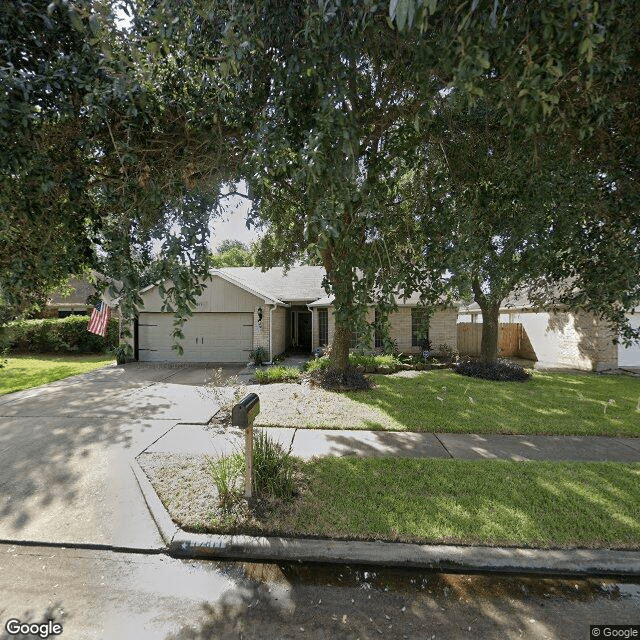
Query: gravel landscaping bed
(184,486)
(303,405)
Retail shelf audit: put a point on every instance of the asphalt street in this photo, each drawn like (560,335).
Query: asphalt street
(109,596)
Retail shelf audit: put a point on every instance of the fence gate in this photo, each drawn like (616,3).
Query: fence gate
(470,338)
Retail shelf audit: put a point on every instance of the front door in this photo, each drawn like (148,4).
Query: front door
(304,330)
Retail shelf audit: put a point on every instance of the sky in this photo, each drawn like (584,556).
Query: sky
(232,224)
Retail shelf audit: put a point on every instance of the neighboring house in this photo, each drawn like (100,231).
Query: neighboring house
(243,308)
(72,302)
(562,339)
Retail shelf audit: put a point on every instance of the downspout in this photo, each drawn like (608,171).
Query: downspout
(271,334)
(311,310)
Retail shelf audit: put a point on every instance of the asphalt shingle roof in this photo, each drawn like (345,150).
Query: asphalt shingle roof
(299,284)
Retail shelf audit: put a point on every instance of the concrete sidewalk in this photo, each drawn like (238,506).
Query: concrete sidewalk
(189,439)
(197,440)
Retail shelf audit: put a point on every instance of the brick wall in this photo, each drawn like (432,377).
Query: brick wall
(279,327)
(279,335)
(442,328)
(261,334)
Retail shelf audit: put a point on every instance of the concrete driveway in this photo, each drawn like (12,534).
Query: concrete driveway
(65,449)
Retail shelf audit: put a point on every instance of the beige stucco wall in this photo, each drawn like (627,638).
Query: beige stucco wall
(568,340)
(442,328)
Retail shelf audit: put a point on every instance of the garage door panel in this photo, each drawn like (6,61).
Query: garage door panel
(630,356)
(208,337)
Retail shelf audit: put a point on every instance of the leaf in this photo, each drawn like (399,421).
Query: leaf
(492,18)
(94,25)
(412,13)
(401,13)
(76,21)
(392,9)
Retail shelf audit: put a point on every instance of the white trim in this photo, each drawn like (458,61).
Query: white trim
(271,332)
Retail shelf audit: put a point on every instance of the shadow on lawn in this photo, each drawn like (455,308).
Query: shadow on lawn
(495,502)
(550,403)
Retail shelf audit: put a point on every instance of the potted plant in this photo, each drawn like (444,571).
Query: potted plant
(258,355)
(120,353)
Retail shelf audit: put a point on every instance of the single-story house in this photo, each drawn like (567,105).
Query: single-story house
(243,308)
(562,339)
(71,300)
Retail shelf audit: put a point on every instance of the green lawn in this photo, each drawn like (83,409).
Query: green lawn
(489,502)
(552,403)
(24,372)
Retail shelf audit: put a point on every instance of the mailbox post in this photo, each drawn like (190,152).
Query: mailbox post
(242,415)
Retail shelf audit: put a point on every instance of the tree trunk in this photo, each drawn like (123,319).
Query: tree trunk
(489,343)
(342,297)
(340,347)
(490,317)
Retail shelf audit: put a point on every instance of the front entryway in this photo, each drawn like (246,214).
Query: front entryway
(301,331)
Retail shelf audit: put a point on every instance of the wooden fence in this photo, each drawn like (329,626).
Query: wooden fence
(512,340)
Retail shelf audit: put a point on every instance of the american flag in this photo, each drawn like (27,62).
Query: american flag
(99,319)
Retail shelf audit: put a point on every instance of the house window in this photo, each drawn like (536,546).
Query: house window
(419,327)
(323,327)
(377,335)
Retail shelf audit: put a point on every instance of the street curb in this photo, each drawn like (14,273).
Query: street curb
(448,558)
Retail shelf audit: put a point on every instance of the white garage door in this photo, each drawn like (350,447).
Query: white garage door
(208,337)
(630,356)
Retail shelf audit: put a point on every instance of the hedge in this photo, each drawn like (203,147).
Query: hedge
(59,335)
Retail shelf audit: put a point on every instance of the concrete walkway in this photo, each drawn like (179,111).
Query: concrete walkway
(305,443)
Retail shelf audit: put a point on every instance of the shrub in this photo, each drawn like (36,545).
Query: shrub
(273,474)
(61,335)
(227,473)
(317,364)
(273,469)
(374,362)
(502,370)
(277,374)
(258,355)
(356,360)
(333,379)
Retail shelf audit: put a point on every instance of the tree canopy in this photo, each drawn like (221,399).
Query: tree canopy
(117,139)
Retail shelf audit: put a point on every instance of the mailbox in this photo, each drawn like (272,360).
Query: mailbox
(243,414)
